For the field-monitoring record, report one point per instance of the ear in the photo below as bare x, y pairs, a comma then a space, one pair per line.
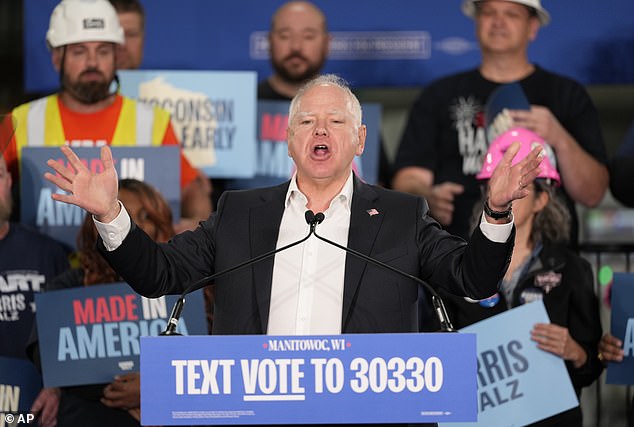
56, 58
533, 28
361, 134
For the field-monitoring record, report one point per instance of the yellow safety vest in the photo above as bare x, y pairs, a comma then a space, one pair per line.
39, 124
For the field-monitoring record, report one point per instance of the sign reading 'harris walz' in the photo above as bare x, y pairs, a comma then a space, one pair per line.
352, 378
88, 335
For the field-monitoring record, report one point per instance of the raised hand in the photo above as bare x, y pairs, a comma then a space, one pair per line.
508, 182
96, 193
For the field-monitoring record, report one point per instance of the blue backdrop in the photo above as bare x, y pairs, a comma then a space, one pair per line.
594, 43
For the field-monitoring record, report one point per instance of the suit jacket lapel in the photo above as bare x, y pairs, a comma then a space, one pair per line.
265, 221
364, 227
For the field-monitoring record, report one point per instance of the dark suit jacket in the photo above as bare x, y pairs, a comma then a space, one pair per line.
246, 225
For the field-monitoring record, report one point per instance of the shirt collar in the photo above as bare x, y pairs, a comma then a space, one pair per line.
345, 195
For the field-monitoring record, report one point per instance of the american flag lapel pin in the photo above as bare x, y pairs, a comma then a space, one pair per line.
372, 212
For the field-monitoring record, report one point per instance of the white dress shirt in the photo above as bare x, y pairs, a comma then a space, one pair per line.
307, 289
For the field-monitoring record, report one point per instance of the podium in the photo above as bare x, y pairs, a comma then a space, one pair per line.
350, 378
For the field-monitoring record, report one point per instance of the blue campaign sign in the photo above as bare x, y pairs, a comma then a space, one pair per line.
401, 43
213, 114
90, 334
274, 166
159, 166
19, 385
518, 383
352, 378
622, 327
508, 96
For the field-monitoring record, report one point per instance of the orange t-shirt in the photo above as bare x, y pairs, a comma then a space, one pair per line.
97, 129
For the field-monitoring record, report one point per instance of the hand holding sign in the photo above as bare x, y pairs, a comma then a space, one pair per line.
556, 339
610, 348
124, 392
96, 193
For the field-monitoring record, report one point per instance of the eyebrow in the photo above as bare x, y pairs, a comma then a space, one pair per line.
331, 112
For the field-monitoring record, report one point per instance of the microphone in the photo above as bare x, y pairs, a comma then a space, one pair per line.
172, 322
439, 306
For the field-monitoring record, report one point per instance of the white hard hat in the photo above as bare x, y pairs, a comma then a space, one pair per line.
469, 9
77, 21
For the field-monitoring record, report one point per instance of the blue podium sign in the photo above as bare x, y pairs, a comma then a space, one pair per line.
19, 385
622, 327
260, 379
518, 384
90, 334
158, 166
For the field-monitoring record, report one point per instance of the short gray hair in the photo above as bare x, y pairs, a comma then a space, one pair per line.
354, 106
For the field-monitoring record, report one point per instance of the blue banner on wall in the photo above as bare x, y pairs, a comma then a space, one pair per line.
398, 43
622, 327
90, 334
518, 384
274, 166
353, 378
158, 166
20, 384
213, 114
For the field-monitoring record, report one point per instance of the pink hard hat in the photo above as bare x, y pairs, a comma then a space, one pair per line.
528, 141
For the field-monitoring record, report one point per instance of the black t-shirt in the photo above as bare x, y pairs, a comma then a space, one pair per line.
28, 260
446, 131
266, 91
622, 171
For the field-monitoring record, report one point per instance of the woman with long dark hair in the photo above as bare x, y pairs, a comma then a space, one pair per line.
115, 404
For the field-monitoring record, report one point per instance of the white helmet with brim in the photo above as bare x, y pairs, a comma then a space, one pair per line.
78, 21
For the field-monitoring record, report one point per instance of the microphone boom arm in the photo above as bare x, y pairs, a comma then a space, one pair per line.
439, 306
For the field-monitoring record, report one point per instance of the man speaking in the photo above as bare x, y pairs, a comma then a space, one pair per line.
311, 288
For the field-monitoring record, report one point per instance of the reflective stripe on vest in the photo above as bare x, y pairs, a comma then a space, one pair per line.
138, 124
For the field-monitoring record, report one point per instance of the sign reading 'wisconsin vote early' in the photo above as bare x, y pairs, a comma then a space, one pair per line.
352, 378
213, 113
90, 334
158, 166
273, 164
622, 327
518, 383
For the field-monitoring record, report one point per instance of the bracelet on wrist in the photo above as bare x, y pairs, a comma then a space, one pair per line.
496, 214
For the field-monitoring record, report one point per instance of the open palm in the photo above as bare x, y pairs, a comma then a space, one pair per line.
509, 181
96, 193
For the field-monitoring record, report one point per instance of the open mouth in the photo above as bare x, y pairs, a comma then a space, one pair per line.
320, 150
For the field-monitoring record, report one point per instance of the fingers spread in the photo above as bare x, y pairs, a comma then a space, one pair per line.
74, 161
106, 157
510, 154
